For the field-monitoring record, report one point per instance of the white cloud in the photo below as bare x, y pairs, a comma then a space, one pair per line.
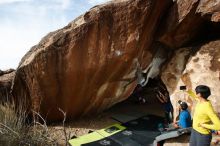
25, 22
12, 1
14, 44
96, 2
65, 4
17, 39
22, 26
56, 4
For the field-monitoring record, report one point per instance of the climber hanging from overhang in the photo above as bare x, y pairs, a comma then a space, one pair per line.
153, 69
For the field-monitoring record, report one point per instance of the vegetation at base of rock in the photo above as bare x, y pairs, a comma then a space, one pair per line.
14, 130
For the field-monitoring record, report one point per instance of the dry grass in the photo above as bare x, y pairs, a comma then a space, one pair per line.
15, 132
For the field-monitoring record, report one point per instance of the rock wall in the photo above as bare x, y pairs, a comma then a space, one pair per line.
194, 66
194, 24
6, 78
198, 62
89, 65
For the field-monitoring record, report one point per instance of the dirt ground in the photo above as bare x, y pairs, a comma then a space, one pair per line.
84, 125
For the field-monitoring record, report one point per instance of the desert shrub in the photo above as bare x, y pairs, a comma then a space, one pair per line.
14, 131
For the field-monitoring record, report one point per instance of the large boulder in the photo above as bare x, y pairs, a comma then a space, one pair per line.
90, 64
181, 24
6, 78
190, 23
187, 21
194, 66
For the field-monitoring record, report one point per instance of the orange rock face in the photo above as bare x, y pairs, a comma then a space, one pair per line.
89, 65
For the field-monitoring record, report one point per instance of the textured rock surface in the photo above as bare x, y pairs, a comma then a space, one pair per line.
181, 24
186, 20
190, 21
6, 78
91, 64
194, 66
210, 8
87, 66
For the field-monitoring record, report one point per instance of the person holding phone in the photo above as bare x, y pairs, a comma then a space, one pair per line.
204, 118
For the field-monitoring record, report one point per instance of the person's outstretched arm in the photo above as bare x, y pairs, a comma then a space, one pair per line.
192, 95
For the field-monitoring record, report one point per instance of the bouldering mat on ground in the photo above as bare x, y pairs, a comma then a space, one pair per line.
145, 123
126, 117
97, 135
139, 132
173, 133
142, 131
94, 136
111, 130
102, 142
123, 118
124, 138
131, 137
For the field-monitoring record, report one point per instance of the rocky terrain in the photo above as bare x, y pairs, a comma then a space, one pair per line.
6, 78
92, 63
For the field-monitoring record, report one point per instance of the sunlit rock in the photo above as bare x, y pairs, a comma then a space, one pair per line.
89, 65
194, 66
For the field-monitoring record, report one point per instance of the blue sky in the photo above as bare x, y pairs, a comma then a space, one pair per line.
24, 22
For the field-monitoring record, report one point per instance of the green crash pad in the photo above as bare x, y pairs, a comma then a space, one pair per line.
139, 132
97, 135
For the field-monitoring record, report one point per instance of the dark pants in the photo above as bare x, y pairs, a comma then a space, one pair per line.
198, 139
169, 117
